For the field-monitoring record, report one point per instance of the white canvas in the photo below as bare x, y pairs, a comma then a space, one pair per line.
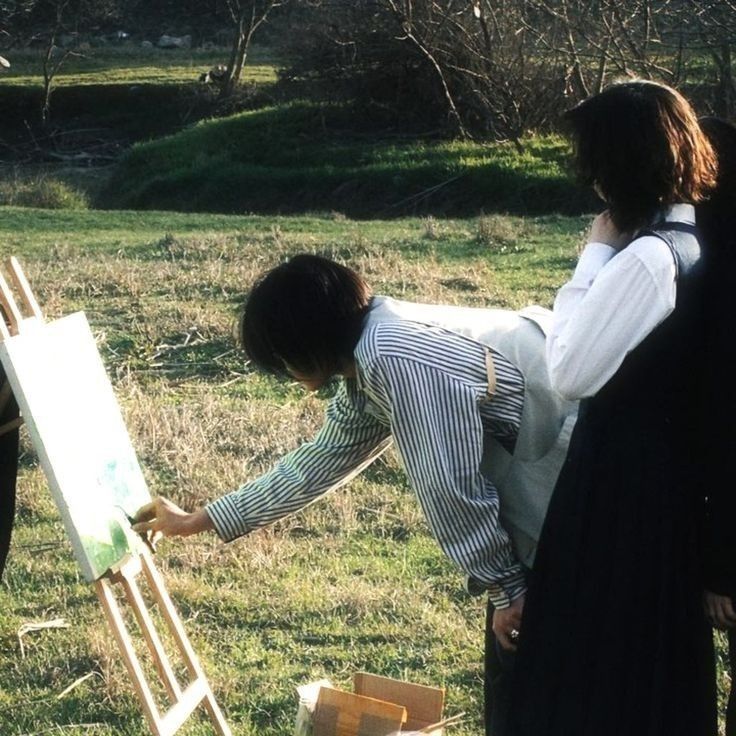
74, 421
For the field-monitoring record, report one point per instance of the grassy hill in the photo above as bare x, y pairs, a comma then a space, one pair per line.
305, 157
273, 157
106, 98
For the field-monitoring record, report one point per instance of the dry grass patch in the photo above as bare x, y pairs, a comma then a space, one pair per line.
500, 233
355, 580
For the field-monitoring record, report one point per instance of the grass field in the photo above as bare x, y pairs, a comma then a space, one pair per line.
355, 582
273, 157
108, 97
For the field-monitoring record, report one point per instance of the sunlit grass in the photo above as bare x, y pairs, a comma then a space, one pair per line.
132, 65
355, 581
141, 75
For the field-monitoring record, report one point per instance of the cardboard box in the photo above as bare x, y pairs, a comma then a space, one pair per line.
378, 706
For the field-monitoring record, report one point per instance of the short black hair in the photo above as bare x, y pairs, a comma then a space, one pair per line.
640, 143
308, 313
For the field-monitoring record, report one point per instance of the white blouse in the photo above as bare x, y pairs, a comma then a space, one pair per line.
612, 302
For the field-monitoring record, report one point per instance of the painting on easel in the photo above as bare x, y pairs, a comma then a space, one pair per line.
72, 415
69, 407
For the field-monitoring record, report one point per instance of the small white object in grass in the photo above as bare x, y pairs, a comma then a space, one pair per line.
4, 63
57, 623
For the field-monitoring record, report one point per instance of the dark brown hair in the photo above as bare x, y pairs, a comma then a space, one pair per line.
307, 313
640, 143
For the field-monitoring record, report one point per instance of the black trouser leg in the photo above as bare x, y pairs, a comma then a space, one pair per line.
499, 665
731, 708
8, 472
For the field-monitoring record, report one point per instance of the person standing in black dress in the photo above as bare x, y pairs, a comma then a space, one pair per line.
717, 222
613, 637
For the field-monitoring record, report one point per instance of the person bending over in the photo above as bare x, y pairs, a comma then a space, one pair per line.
462, 393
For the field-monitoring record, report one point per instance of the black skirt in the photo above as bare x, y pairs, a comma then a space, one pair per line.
614, 640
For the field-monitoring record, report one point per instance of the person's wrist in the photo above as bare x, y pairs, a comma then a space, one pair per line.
196, 522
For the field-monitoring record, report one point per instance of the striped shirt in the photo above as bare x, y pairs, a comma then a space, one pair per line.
425, 388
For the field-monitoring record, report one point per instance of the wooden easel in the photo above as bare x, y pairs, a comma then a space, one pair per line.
186, 701
126, 575
11, 323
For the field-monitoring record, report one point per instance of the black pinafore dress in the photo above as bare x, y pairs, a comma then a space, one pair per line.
614, 641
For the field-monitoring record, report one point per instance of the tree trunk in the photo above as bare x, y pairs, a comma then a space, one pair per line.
248, 21
724, 103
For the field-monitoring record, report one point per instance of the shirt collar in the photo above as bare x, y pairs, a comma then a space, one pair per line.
684, 213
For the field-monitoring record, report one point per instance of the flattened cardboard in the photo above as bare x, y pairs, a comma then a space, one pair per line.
339, 713
423, 703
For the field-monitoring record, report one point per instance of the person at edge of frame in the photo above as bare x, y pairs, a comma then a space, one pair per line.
464, 395
716, 219
614, 639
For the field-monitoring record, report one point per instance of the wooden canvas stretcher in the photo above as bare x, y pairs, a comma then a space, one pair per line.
22, 328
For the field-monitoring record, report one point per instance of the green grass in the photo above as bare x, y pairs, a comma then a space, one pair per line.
133, 65
303, 157
103, 101
40, 191
296, 157
354, 582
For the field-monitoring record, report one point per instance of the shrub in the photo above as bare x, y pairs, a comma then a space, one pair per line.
498, 233
43, 192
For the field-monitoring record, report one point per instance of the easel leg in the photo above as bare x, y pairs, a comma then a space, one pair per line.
155, 647
156, 583
186, 701
120, 632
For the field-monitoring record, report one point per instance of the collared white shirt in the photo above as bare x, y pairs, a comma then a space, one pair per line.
612, 302
425, 388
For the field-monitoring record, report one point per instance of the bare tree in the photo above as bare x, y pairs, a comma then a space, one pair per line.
487, 62
45, 22
247, 17
54, 57
499, 68
421, 30
714, 23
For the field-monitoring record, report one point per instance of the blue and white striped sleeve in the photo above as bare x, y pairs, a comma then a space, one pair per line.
436, 424
347, 443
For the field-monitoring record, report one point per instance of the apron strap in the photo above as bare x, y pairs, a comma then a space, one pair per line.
491, 373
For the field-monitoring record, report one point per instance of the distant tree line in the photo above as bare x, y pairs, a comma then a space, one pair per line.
473, 68
498, 68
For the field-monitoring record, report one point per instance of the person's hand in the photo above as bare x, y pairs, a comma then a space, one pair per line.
164, 517
719, 610
507, 622
603, 230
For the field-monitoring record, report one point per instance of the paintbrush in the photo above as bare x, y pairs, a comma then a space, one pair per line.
451, 721
143, 535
